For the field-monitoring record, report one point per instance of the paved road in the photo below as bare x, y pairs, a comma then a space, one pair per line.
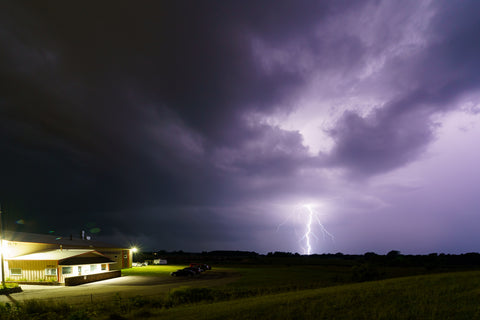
127, 286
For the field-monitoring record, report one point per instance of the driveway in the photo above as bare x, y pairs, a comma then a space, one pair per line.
126, 286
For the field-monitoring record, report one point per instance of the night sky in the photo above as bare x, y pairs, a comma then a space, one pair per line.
209, 125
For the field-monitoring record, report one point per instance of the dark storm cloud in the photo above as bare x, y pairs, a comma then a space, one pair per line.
151, 115
272, 152
109, 106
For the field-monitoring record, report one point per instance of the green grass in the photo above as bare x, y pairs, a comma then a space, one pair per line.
443, 296
154, 271
291, 276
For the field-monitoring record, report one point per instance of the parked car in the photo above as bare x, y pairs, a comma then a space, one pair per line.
195, 270
139, 264
183, 273
202, 266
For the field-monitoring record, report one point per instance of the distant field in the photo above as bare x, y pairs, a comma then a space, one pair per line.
277, 277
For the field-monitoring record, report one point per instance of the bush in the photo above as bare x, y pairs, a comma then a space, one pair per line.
11, 288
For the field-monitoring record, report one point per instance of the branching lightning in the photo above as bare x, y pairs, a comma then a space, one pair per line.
308, 216
311, 214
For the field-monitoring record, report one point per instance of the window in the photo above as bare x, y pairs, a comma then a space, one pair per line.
93, 267
67, 270
16, 272
51, 271
104, 267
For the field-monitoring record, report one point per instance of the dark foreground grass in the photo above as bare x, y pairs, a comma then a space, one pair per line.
443, 296
440, 296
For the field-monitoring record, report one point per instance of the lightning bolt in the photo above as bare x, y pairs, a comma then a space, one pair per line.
311, 214
309, 228
310, 217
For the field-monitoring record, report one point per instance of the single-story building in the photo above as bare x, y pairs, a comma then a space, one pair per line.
47, 258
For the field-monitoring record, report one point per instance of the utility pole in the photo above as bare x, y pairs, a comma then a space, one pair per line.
1, 248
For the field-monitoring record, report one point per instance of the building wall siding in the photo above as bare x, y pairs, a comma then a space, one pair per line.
121, 257
32, 270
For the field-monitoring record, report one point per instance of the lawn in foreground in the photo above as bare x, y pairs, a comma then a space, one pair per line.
441, 296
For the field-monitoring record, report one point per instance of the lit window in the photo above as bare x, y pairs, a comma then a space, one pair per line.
51, 272
93, 267
67, 270
16, 272
104, 267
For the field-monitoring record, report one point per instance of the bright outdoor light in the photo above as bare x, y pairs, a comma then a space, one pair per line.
134, 249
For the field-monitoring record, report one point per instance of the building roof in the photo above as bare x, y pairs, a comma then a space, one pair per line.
67, 256
84, 260
69, 241
52, 254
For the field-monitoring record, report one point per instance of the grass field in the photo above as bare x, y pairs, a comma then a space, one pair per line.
443, 296
156, 271
282, 292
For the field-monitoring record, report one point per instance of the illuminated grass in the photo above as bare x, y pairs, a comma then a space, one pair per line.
154, 271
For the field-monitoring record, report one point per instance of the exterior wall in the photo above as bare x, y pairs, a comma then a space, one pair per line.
31, 270
15, 248
73, 281
127, 258
114, 255
34, 270
81, 270
122, 257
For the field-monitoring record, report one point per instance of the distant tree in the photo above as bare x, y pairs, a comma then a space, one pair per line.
393, 254
369, 255
282, 254
431, 261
